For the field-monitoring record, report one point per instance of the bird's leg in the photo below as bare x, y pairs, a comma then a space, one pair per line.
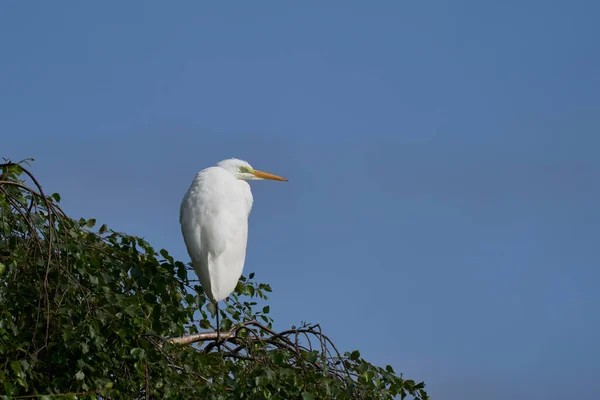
218, 328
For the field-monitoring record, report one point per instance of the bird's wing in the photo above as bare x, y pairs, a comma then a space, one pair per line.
211, 214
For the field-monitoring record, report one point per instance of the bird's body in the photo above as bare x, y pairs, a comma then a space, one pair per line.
214, 223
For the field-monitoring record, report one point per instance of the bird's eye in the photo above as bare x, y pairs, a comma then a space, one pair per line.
244, 169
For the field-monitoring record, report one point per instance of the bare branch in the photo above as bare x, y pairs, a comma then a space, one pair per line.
201, 337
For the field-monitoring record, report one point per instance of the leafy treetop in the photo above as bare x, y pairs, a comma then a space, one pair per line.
100, 314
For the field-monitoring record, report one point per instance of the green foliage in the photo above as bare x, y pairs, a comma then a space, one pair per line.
103, 315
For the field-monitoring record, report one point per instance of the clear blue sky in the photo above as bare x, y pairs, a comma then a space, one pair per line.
442, 211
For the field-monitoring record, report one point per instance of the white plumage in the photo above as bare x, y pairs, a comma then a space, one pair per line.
214, 223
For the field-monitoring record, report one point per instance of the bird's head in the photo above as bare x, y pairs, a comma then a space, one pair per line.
244, 171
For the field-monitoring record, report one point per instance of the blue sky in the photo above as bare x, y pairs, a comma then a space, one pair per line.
442, 210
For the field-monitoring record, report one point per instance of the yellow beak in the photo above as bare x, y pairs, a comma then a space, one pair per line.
266, 175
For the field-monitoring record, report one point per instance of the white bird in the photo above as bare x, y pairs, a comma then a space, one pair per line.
214, 223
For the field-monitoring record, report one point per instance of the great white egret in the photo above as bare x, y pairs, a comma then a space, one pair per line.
214, 222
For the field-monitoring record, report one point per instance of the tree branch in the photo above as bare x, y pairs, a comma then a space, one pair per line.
201, 337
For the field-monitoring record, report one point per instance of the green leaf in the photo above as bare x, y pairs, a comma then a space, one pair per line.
9, 388
307, 396
2, 268
364, 377
251, 275
181, 272
242, 333
102, 229
79, 375
16, 366
150, 298
56, 197
91, 222
199, 301
144, 282
311, 357
260, 381
225, 325
25, 365
136, 272
138, 353
266, 309
277, 357
204, 324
